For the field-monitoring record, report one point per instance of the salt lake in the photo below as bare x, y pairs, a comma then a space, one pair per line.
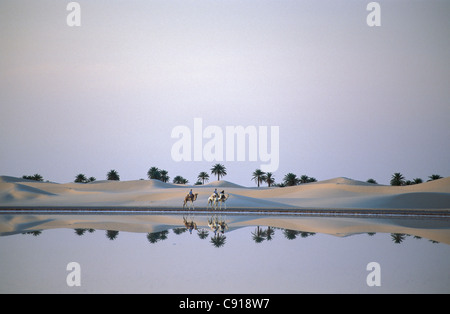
222, 253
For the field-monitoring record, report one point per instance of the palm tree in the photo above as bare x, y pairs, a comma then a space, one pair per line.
91, 179
397, 179
180, 180
434, 177
113, 175
204, 176
269, 179
417, 181
291, 179
219, 170
81, 178
259, 176
304, 179
154, 173
372, 181
164, 175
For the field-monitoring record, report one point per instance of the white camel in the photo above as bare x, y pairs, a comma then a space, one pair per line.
214, 200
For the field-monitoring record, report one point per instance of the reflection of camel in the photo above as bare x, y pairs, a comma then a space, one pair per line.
191, 199
190, 225
217, 225
214, 200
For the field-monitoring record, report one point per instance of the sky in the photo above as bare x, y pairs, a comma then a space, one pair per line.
349, 99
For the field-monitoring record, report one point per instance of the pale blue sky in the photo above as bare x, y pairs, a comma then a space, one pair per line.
350, 100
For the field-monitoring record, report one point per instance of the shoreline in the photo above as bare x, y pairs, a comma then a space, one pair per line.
444, 213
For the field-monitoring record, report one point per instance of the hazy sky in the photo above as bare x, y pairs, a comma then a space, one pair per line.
350, 100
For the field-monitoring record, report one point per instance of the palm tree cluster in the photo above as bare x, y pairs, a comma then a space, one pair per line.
260, 176
219, 170
35, 177
180, 180
398, 179
81, 178
158, 174
291, 179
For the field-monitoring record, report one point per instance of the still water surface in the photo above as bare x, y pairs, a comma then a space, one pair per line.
200, 253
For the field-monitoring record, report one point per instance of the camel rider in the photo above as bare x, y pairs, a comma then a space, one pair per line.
191, 195
215, 193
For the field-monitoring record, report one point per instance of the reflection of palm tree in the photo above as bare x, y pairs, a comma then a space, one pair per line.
157, 236
80, 231
398, 237
34, 233
269, 233
290, 234
305, 234
218, 240
259, 235
112, 234
203, 234
179, 231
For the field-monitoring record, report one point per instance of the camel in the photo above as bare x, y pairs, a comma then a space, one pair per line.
222, 199
191, 199
213, 200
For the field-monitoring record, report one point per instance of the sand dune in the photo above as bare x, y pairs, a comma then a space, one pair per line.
337, 193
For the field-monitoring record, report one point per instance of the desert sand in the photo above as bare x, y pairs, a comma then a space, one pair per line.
338, 194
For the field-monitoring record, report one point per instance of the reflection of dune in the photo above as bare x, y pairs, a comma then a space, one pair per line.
338, 193
433, 229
